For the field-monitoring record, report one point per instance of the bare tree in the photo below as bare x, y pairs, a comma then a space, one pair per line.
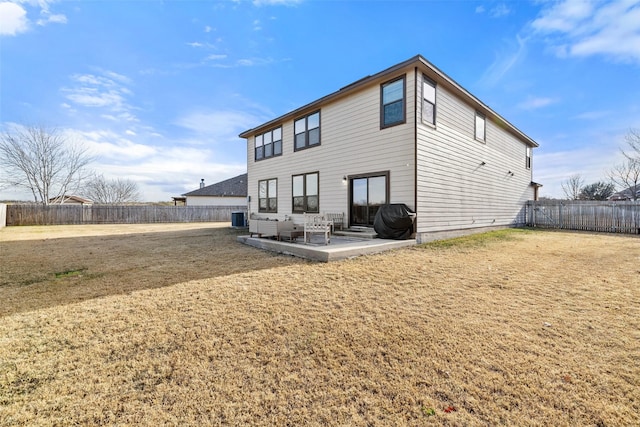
102, 190
626, 175
42, 160
572, 186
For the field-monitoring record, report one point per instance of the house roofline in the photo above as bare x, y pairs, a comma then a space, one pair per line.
223, 188
418, 59
65, 197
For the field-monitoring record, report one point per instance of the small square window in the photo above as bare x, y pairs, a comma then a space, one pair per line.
269, 144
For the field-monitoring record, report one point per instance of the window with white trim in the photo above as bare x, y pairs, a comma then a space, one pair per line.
481, 127
268, 144
268, 195
528, 160
428, 101
305, 193
307, 131
392, 99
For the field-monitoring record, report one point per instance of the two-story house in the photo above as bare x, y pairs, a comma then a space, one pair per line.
409, 134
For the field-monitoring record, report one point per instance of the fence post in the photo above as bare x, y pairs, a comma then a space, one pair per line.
3, 215
560, 216
532, 213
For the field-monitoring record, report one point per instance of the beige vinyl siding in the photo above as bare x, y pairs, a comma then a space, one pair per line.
215, 201
351, 143
454, 190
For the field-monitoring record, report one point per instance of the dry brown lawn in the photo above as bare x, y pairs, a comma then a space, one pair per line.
181, 325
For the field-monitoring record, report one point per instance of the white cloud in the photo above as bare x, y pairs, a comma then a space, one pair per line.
161, 170
91, 97
14, 16
52, 19
499, 11
13, 19
593, 115
533, 103
583, 28
106, 90
592, 157
505, 61
108, 144
243, 62
199, 45
276, 2
215, 57
246, 62
564, 16
217, 126
118, 77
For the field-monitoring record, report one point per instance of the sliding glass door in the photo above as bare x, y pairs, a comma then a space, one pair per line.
368, 193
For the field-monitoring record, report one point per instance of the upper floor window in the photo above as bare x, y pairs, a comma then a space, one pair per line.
269, 144
305, 193
428, 101
268, 195
528, 161
392, 103
307, 131
481, 127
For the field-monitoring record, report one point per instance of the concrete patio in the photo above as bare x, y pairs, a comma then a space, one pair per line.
340, 247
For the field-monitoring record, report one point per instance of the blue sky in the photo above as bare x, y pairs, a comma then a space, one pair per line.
160, 90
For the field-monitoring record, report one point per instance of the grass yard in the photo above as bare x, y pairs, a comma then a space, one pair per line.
181, 325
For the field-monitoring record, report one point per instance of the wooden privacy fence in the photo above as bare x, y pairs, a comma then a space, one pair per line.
116, 214
609, 217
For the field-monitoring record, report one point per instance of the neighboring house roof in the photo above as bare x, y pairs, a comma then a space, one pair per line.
232, 187
626, 194
70, 199
416, 61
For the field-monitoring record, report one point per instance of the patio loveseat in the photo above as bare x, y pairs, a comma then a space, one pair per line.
271, 227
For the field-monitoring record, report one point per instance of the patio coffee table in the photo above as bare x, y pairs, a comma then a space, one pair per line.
290, 235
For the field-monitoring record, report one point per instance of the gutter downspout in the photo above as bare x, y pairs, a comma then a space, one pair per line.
415, 148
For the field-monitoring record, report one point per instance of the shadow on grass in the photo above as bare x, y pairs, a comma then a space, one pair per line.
50, 272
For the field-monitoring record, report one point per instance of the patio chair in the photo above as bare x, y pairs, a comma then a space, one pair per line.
316, 224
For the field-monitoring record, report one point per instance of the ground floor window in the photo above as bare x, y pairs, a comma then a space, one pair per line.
305, 193
268, 195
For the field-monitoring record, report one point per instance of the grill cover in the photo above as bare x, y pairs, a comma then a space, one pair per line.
394, 221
